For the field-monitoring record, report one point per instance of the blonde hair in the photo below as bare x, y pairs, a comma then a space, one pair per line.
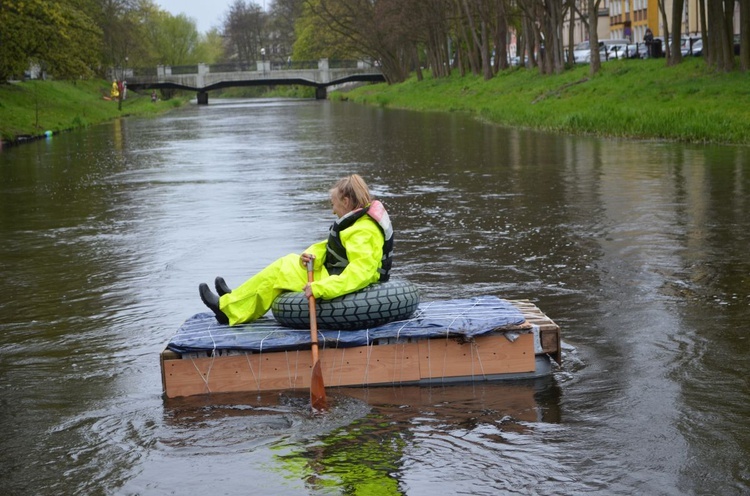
354, 188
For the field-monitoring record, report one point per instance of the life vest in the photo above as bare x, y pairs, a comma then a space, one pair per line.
336, 260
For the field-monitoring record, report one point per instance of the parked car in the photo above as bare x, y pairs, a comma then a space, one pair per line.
687, 45
637, 50
608, 49
617, 51
697, 50
582, 52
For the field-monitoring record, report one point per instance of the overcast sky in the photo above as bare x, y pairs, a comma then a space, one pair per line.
206, 14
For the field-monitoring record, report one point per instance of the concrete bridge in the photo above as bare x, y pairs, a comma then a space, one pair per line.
203, 78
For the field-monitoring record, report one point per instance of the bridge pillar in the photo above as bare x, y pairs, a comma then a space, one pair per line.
321, 93
202, 98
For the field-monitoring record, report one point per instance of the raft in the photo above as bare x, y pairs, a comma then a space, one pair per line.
484, 338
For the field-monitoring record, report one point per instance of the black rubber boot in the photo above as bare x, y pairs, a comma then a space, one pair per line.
212, 302
221, 286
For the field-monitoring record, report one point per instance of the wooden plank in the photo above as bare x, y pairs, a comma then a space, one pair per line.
246, 372
368, 365
363, 365
549, 331
484, 355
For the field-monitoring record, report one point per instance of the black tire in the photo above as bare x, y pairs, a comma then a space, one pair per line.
373, 306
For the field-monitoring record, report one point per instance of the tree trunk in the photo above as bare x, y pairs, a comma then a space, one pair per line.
595, 62
676, 54
720, 37
571, 31
704, 27
665, 34
745, 35
501, 36
729, 62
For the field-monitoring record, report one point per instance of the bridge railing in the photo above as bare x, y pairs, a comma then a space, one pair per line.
143, 72
184, 69
177, 70
232, 67
202, 75
342, 64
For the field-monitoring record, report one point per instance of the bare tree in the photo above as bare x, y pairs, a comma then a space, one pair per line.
720, 49
477, 18
244, 28
283, 17
375, 28
501, 35
436, 35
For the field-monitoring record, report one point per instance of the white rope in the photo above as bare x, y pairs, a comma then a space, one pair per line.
250, 366
200, 374
207, 377
369, 354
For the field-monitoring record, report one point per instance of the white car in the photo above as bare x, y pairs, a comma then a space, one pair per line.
582, 52
618, 51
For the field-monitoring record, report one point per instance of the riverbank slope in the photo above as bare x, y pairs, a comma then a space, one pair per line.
30, 109
641, 99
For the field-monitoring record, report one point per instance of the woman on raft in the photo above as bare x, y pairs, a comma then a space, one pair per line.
357, 253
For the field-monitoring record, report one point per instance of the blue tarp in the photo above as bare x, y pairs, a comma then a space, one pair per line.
466, 317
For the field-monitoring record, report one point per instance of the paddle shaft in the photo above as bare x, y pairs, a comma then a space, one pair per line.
317, 388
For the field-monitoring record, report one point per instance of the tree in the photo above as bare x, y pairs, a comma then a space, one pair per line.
720, 37
244, 27
596, 62
120, 32
675, 56
283, 18
56, 35
378, 29
210, 47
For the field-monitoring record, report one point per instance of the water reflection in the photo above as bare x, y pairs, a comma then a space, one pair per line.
394, 439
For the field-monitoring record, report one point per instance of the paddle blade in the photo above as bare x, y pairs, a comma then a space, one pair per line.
317, 389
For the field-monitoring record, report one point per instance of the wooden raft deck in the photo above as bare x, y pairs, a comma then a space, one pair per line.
420, 361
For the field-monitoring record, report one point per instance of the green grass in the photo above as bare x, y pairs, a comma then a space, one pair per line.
640, 99
33, 107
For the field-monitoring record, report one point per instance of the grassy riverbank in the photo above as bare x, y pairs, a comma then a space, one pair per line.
640, 99
31, 108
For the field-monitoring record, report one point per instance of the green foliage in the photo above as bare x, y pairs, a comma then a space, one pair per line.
171, 40
61, 38
641, 99
316, 40
210, 48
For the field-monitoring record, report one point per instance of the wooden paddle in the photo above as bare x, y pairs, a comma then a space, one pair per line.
317, 388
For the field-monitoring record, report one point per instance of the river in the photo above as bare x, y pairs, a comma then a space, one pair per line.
638, 250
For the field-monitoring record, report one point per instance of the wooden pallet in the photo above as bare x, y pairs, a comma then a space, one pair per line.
403, 362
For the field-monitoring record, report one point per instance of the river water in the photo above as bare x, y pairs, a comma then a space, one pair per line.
639, 250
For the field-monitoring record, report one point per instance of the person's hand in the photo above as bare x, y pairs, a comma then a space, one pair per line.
308, 291
304, 258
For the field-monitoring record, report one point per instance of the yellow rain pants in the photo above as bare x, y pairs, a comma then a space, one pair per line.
364, 250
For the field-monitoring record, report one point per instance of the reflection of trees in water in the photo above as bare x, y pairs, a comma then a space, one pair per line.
361, 458
368, 455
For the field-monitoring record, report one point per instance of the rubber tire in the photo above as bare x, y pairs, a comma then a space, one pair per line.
373, 306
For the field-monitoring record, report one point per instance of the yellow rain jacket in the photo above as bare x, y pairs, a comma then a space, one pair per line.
364, 250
